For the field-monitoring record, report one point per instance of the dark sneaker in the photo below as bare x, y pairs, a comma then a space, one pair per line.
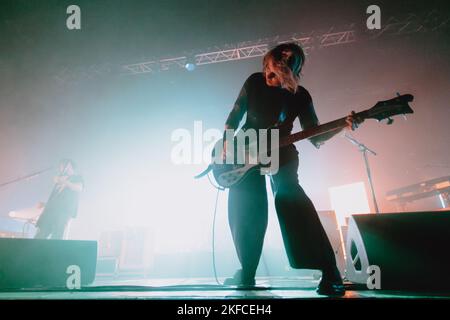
332, 289
331, 285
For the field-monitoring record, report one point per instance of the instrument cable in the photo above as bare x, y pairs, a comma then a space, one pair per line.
219, 188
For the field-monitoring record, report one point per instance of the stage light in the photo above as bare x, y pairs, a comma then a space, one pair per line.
190, 66
349, 199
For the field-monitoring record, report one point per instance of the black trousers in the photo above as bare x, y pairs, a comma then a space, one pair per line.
53, 228
307, 245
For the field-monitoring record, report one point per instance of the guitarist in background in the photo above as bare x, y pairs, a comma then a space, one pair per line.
62, 204
275, 97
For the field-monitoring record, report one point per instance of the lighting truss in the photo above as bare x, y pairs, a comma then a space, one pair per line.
245, 50
412, 23
432, 21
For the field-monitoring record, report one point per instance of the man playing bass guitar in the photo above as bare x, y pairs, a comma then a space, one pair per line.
275, 96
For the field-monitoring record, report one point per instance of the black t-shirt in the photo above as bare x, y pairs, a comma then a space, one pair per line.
266, 106
64, 203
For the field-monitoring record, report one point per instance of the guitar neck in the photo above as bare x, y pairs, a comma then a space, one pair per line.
318, 130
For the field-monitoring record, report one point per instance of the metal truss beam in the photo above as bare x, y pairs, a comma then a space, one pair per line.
240, 52
432, 21
412, 23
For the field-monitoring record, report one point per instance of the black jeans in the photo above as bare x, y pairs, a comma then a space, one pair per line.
52, 228
307, 245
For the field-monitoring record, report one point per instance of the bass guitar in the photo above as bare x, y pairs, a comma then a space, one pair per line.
227, 175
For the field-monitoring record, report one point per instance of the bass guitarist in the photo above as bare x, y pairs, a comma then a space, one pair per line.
269, 97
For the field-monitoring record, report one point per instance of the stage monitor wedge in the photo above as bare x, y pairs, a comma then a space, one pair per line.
411, 249
32, 263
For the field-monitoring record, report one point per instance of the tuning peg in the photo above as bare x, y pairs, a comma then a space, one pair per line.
404, 117
390, 121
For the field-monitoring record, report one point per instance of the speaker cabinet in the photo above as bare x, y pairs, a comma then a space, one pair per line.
411, 249
31, 263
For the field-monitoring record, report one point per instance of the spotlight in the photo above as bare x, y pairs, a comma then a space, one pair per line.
189, 66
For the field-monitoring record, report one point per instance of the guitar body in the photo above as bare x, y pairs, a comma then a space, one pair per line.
228, 175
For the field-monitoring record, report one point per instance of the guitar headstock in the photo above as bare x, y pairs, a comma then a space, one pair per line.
388, 108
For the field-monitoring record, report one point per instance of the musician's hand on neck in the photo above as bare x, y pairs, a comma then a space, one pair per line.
353, 121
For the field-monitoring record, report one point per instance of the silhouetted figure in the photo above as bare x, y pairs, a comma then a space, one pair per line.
274, 97
62, 204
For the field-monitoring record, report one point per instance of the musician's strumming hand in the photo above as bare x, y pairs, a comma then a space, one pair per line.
225, 144
60, 179
353, 121
224, 151
63, 182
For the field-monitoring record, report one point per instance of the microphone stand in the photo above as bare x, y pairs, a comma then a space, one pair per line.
364, 151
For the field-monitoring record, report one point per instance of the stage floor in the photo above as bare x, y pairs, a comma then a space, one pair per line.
202, 288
